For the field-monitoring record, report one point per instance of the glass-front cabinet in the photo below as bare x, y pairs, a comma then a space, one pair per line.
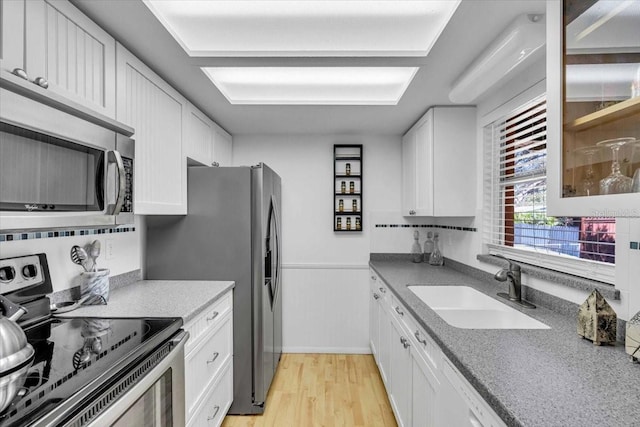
593, 92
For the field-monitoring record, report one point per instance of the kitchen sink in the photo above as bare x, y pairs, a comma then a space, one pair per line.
467, 308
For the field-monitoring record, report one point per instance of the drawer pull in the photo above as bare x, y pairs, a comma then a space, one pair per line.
383, 290
215, 356
216, 409
376, 296
423, 342
400, 312
373, 278
215, 314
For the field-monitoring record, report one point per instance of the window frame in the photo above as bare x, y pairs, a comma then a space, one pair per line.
594, 270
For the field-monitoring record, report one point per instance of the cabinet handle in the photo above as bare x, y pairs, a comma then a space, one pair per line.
215, 356
215, 164
400, 312
417, 335
376, 296
42, 82
383, 290
403, 340
406, 344
215, 314
412, 212
373, 278
215, 412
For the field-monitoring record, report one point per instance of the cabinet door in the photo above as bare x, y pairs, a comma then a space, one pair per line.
400, 375
384, 347
374, 325
157, 113
409, 174
424, 166
222, 147
71, 52
424, 390
12, 33
454, 161
453, 410
596, 110
198, 143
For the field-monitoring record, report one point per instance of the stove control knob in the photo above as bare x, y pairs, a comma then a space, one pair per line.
29, 271
7, 274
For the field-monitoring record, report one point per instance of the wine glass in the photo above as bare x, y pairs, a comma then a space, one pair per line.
616, 182
635, 161
588, 185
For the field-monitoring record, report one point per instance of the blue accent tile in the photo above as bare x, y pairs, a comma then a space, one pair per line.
633, 245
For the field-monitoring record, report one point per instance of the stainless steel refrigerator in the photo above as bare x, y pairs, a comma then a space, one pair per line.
231, 232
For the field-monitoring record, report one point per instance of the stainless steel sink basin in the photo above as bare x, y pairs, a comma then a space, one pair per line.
467, 308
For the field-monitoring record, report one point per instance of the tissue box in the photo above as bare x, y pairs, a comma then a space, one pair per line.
596, 320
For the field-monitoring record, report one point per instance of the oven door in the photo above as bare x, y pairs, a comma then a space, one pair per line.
150, 399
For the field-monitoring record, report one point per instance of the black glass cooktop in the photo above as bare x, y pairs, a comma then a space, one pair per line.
73, 353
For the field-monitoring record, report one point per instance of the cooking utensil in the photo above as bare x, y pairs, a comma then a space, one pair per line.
79, 256
16, 354
94, 252
65, 306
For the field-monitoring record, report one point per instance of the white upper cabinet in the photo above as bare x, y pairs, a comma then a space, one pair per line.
158, 114
51, 39
593, 109
198, 144
438, 158
222, 147
206, 143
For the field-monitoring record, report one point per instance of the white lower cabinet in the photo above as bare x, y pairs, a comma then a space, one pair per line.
209, 364
424, 388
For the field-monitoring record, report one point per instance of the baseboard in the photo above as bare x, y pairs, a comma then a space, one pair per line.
329, 350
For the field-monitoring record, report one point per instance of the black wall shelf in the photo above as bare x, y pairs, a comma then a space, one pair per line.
348, 188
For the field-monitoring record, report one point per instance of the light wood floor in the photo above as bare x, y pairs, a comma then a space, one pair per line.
327, 390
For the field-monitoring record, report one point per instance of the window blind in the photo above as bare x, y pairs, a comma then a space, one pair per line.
515, 189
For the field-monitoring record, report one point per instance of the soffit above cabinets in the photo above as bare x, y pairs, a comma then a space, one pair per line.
306, 28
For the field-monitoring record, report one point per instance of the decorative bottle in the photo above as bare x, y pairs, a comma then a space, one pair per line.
416, 250
436, 257
428, 246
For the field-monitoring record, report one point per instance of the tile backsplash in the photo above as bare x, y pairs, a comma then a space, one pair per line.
48, 234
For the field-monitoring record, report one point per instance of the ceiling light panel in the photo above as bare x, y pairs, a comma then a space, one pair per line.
312, 85
304, 28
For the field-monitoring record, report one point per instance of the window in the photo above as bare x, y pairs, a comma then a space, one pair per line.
515, 189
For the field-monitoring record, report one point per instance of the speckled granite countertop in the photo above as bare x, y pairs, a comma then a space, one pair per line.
157, 298
529, 377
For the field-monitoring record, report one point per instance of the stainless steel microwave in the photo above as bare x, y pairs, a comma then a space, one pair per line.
59, 170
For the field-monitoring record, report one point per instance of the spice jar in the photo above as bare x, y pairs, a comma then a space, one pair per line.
354, 205
348, 223
347, 169
343, 187
358, 224
352, 187
341, 205
339, 224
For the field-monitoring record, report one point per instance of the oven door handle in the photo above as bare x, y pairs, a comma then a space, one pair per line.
175, 361
114, 156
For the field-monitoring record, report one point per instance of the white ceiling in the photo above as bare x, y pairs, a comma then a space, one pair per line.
472, 27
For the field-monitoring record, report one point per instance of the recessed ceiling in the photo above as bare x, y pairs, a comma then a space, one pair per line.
304, 28
133, 24
312, 85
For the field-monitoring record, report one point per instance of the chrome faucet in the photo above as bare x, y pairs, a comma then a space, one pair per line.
513, 275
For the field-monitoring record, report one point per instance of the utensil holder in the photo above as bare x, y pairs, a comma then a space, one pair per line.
95, 286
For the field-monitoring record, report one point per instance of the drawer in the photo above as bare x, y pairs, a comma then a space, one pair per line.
203, 364
207, 320
215, 405
419, 337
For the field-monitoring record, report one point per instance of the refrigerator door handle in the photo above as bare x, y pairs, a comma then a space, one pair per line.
278, 272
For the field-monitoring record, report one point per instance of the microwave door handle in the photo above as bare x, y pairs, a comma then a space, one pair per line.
114, 156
